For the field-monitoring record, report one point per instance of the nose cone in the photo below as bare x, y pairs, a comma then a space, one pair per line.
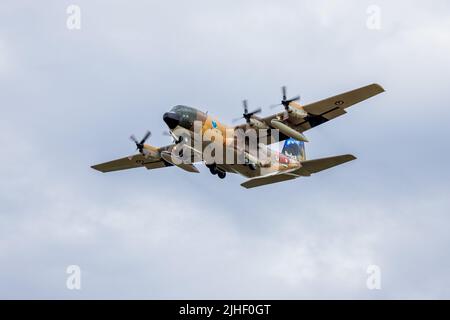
172, 119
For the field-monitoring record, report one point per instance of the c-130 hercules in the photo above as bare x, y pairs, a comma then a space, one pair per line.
289, 124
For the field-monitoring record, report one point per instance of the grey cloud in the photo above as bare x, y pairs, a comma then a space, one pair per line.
71, 98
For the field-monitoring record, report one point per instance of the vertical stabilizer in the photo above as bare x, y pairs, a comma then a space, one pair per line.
294, 149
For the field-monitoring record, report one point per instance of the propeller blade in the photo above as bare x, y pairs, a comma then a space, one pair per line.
146, 136
293, 99
245, 106
140, 144
275, 106
133, 138
246, 115
173, 136
236, 119
283, 90
256, 111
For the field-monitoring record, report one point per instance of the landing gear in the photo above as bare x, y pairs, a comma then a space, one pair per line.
251, 165
214, 170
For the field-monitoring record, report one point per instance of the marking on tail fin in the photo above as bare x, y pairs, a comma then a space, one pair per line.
294, 149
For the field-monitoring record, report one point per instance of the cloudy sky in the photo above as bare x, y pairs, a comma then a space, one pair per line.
71, 98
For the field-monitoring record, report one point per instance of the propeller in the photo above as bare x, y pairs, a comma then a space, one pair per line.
140, 144
285, 102
247, 115
173, 136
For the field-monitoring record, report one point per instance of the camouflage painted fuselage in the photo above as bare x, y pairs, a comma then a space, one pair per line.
184, 118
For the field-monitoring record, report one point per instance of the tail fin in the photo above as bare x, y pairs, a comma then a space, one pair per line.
295, 149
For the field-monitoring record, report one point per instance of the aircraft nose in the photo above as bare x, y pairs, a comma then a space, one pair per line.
171, 119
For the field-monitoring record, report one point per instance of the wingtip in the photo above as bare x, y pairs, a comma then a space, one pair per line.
246, 185
379, 87
96, 168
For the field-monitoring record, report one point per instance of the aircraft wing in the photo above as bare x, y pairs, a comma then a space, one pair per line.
135, 161
330, 108
313, 166
321, 111
269, 179
308, 167
156, 158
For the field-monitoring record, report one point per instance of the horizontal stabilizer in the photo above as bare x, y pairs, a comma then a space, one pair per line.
308, 167
317, 165
269, 179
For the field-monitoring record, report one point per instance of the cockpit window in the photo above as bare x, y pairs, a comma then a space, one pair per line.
181, 108
176, 108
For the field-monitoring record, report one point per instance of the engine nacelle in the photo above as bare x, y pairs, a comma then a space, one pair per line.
258, 124
297, 114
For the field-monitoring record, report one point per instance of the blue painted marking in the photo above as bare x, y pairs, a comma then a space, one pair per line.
214, 124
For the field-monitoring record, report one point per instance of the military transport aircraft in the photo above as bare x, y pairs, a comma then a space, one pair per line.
291, 163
